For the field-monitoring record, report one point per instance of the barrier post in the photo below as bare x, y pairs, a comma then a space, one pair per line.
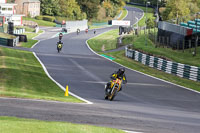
67, 91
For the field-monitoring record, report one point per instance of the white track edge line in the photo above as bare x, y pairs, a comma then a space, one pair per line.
44, 68
131, 131
126, 14
139, 71
37, 100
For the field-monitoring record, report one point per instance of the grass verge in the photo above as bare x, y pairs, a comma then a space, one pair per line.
104, 42
18, 125
119, 56
185, 57
7, 36
124, 13
149, 14
21, 75
41, 22
31, 41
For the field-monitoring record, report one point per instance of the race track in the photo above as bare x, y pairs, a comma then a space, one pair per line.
146, 104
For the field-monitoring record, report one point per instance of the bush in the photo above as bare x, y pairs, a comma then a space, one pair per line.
49, 18
58, 18
39, 17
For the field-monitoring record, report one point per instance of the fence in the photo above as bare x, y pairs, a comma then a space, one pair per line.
3, 41
181, 70
100, 24
19, 31
9, 42
72, 26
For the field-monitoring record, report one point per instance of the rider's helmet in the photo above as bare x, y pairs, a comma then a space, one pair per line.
121, 71
60, 36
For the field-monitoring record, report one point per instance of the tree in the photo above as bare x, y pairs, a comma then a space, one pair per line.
10, 1
150, 23
193, 6
71, 10
108, 6
176, 9
90, 7
50, 7
113, 7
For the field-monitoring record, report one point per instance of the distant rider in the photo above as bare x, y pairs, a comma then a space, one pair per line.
78, 31
60, 36
86, 31
120, 74
59, 45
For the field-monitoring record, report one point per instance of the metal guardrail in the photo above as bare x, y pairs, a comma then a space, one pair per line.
3, 41
9, 42
181, 70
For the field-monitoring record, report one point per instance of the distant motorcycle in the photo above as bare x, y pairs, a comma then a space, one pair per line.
78, 31
111, 92
86, 31
59, 46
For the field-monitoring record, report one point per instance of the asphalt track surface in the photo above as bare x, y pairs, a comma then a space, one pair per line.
146, 104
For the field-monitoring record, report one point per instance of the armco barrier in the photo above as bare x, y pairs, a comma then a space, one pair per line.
9, 42
3, 41
181, 70
13, 42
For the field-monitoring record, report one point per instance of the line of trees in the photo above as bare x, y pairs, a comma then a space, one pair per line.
80, 9
180, 9
153, 2
174, 9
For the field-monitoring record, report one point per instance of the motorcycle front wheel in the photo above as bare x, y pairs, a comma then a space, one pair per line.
112, 96
58, 50
106, 97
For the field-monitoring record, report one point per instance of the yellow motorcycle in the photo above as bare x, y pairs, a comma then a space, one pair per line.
59, 47
114, 88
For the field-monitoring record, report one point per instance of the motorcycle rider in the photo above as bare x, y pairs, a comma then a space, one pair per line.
120, 74
86, 31
60, 36
59, 44
78, 31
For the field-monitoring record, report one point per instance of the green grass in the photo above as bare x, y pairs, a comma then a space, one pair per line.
149, 14
119, 56
18, 125
5, 35
124, 13
21, 75
41, 22
27, 29
96, 27
108, 40
31, 41
174, 55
